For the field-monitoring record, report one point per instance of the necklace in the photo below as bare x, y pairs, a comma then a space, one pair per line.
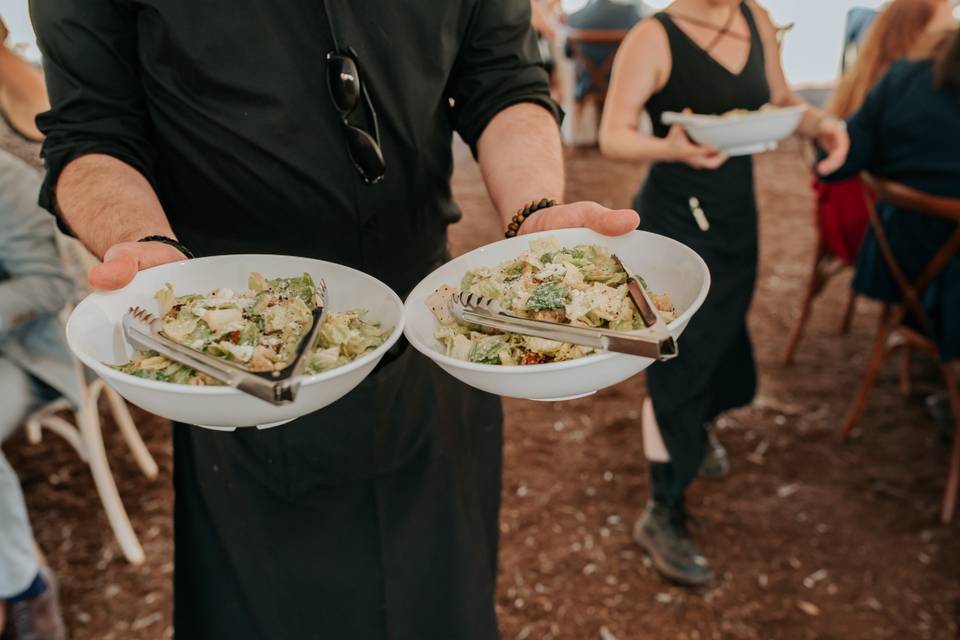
722, 31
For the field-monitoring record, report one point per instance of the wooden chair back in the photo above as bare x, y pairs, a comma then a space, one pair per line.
911, 200
599, 73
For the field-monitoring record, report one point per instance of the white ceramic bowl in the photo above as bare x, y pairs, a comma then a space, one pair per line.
742, 134
95, 336
667, 266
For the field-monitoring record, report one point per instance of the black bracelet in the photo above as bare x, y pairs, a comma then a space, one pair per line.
171, 243
514, 227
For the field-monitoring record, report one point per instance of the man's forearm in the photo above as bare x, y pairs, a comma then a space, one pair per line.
106, 202
521, 158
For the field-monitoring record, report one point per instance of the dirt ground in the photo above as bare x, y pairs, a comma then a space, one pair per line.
810, 538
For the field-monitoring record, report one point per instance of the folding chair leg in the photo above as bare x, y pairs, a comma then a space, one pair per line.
89, 422
906, 358
877, 358
814, 285
953, 475
848, 312
34, 430
121, 415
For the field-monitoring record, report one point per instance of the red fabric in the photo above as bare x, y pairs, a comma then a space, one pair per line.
842, 216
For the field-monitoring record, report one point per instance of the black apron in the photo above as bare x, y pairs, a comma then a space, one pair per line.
374, 518
715, 370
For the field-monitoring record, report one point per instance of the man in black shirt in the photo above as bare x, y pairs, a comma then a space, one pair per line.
322, 131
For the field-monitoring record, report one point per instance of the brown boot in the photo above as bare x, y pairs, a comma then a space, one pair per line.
38, 618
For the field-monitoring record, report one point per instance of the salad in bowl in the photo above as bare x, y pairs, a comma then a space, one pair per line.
582, 285
539, 276
258, 328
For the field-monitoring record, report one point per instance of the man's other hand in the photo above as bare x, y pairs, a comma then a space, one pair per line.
122, 261
609, 222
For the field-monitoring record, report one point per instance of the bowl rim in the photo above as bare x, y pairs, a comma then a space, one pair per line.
706, 121
107, 372
526, 369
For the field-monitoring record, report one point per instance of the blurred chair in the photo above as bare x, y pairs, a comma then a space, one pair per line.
592, 38
892, 333
594, 63
593, 52
85, 435
84, 432
827, 264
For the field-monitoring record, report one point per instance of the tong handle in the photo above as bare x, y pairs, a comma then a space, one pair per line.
647, 314
248, 382
648, 346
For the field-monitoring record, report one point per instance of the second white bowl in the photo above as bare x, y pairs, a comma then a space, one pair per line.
667, 266
740, 135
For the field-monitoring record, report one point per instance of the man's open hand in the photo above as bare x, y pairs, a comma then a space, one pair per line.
122, 261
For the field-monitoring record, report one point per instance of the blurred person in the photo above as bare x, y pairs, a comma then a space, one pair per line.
22, 91
858, 22
35, 367
708, 56
333, 139
896, 32
603, 15
908, 130
547, 18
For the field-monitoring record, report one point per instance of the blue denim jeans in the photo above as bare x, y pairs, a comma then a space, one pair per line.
18, 560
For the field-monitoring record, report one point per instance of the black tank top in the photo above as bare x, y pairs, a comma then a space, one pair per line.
727, 195
704, 85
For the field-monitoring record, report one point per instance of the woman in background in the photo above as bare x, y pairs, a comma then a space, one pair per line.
710, 56
896, 32
908, 130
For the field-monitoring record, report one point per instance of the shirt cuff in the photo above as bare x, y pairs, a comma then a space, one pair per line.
471, 134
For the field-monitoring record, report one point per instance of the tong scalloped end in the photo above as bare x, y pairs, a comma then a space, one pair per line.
476, 301
276, 387
142, 314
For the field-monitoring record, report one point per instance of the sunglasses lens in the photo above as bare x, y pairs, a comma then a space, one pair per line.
344, 81
366, 154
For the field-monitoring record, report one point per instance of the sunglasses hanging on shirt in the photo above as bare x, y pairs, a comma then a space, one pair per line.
346, 93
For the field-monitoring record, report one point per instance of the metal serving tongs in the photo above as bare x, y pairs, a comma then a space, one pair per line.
653, 342
144, 331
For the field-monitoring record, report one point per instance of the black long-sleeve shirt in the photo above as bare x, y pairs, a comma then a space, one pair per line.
224, 107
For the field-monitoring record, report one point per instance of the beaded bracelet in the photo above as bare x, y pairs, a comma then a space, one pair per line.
518, 219
170, 242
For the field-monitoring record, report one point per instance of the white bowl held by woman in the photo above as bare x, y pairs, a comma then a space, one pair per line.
740, 134
666, 265
95, 335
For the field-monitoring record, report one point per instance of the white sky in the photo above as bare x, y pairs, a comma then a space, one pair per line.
811, 52
17, 18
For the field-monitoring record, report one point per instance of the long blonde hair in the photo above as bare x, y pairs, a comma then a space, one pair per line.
893, 35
